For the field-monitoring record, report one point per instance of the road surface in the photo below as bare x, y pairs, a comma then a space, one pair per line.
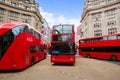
84, 69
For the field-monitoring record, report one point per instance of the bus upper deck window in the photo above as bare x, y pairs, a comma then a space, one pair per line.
112, 37
81, 41
118, 37
56, 32
105, 38
31, 31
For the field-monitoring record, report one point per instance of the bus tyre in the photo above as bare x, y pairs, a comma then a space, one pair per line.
113, 58
88, 56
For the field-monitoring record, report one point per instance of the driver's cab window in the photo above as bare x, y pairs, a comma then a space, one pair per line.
57, 29
19, 29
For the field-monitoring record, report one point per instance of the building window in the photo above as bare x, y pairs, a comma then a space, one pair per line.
85, 23
110, 12
96, 15
27, 7
96, 25
2, 11
112, 30
1, 20
26, 21
98, 33
14, 14
2, 0
13, 4
111, 22
12, 20
27, 0
24, 16
96, 0
96, 5
109, 1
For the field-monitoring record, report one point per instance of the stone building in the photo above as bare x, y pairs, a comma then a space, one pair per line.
100, 17
46, 31
21, 11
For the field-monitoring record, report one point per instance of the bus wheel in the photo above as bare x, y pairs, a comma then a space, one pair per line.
88, 56
32, 61
113, 58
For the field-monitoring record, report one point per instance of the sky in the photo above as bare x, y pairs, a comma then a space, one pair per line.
61, 11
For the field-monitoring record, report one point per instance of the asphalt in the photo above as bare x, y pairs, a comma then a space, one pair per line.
83, 69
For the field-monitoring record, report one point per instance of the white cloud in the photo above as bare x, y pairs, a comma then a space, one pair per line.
54, 19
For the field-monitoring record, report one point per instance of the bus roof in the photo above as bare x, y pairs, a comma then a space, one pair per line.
64, 25
91, 38
10, 25
7, 26
100, 36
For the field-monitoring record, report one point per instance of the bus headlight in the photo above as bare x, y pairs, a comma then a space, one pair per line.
14, 65
53, 59
71, 59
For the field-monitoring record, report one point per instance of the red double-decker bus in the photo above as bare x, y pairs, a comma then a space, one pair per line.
102, 47
63, 44
20, 46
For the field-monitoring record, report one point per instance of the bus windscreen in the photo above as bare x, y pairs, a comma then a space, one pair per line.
62, 30
5, 41
63, 49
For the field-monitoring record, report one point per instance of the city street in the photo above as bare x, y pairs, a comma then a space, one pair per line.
30, 29
84, 69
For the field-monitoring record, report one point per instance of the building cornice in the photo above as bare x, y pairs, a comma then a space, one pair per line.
86, 10
22, 9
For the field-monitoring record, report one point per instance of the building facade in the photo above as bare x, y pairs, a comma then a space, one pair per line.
78, 34
26, 11
100, 17
46, 31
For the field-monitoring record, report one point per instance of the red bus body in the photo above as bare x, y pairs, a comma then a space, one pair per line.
63, 44
103, 47
19, 48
